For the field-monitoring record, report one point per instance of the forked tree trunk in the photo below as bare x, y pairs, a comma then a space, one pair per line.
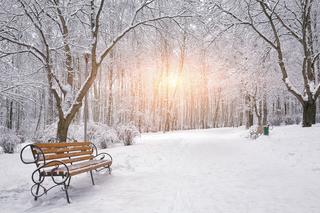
309, 113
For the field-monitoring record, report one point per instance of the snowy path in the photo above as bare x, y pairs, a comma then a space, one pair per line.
192, 171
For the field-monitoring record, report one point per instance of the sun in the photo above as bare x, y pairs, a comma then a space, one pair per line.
172, 80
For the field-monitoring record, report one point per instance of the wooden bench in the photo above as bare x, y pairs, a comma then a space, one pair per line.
61, 161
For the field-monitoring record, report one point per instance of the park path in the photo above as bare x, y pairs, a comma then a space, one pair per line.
196, 171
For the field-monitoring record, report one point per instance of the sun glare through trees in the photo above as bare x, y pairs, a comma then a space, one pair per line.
217, 99
158, 65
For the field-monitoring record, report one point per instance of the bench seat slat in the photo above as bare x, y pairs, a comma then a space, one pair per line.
92, 167
78, 168
52, 145
66, 149
66, 155
72, 160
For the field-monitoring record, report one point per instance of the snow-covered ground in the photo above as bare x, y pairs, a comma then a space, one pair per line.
216, 170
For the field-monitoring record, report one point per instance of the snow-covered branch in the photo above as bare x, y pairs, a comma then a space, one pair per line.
131, 27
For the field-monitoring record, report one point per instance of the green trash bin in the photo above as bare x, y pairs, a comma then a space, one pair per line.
266, 130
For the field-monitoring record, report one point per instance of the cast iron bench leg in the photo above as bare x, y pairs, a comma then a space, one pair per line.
91, 177
66, 190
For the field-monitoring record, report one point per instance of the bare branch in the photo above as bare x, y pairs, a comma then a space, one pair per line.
143, 5
251, 24
128, 29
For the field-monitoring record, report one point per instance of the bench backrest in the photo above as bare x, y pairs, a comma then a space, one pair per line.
68, 153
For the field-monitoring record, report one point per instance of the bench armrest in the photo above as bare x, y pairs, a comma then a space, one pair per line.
103, 155
37, 154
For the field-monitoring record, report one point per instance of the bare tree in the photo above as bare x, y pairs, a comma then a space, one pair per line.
276, 21
33, 11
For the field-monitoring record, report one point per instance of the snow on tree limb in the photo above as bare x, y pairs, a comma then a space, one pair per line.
130, 28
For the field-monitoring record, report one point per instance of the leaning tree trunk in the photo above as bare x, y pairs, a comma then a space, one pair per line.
309, 113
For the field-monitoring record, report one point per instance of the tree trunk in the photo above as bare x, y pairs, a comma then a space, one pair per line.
39, 118
110, 95
18, 113
96, 101
167, 122
10, 115
249, 116
248, 112
265, 111
62, 132
309, 113
258, 111
240, 118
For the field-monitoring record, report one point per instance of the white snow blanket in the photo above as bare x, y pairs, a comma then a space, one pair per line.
199, 171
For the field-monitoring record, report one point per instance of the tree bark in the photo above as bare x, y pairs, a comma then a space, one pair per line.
110, 93
62, 132
248, 112
10, 120
309, 113
265, 111
240, 118
249, 116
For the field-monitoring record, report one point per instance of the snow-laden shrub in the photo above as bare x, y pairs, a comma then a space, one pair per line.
255, 131
276, 122
101, 135
8, 140
46, 135
127, 133
289, 120
298, 120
